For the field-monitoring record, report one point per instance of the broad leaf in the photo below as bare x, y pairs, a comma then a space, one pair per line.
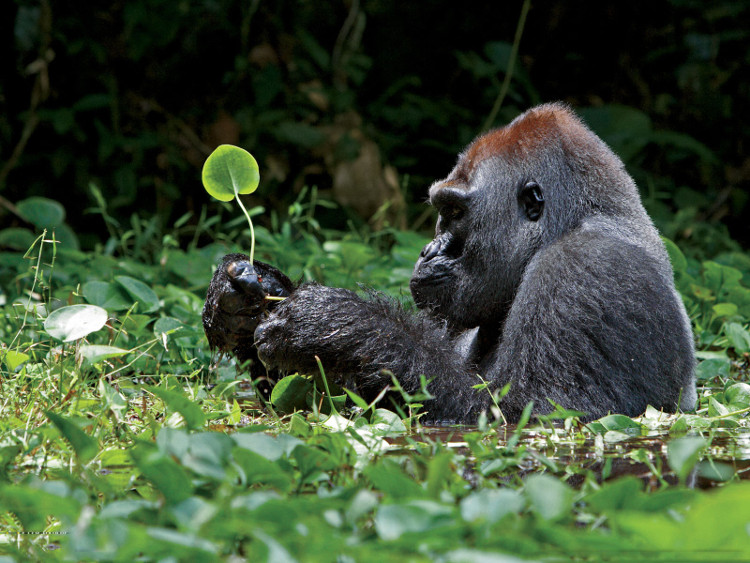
229, 171
75, 321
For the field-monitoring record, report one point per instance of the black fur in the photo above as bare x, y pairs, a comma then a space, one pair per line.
545, 273
234, 308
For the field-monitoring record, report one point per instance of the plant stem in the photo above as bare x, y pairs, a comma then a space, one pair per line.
252, 230
511, 67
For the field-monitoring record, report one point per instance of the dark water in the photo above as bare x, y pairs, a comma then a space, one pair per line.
644, 456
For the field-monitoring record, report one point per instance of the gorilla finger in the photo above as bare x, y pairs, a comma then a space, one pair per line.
234, 303
244, 278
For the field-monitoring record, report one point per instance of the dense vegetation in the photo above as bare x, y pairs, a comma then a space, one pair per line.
123, 442
118, 437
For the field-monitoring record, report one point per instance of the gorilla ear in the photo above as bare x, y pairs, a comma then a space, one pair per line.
531, 200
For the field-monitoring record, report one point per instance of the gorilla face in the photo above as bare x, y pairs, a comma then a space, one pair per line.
488, 229
441, 267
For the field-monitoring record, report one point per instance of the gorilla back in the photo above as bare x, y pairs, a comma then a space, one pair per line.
545, 272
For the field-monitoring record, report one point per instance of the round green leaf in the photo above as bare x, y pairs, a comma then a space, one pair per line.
42, 212
229, 171
75, 321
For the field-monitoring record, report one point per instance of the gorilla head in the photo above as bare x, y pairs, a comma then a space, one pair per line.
514, 191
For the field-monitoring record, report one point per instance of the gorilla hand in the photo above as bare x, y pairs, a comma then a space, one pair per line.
314, 321
236, 302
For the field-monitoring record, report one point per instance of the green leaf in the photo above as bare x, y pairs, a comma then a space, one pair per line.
110, 296
624, 493
491, 505
683, 454
311, 462
390, 478
42, 212
717, 276
738, 394
96, 353
192, 413
84, 445
713, 367
140, 292
290, 393
208, 454
167, 324
267, 446
229, 171
14, 359
75, 321
258, 469
16, 238
676, 257
548, 497
33, 506
725, 309
169, 478
738, 337
621, 423
394, 520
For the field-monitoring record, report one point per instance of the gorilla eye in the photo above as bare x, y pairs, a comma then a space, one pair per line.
452, 212
531, 199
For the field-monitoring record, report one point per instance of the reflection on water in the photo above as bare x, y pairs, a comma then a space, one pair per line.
579, 452
644, 457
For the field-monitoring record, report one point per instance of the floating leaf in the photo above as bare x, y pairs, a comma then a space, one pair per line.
75, 321
229, 171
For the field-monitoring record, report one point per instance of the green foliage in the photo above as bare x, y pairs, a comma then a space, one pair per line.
117, 441
128, 136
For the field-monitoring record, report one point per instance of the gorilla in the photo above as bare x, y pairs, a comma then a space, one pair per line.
545, 273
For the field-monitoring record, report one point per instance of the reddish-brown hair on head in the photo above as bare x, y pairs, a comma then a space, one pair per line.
527, 133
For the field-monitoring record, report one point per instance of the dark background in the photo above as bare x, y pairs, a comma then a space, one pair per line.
363, 98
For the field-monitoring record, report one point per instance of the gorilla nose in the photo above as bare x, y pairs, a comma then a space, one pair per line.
430, 251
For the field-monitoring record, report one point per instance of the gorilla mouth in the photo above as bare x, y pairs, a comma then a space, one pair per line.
437, 278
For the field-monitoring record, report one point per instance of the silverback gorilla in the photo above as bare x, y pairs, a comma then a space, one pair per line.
545, 272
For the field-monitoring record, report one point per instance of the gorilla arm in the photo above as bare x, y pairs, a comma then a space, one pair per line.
360, 340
